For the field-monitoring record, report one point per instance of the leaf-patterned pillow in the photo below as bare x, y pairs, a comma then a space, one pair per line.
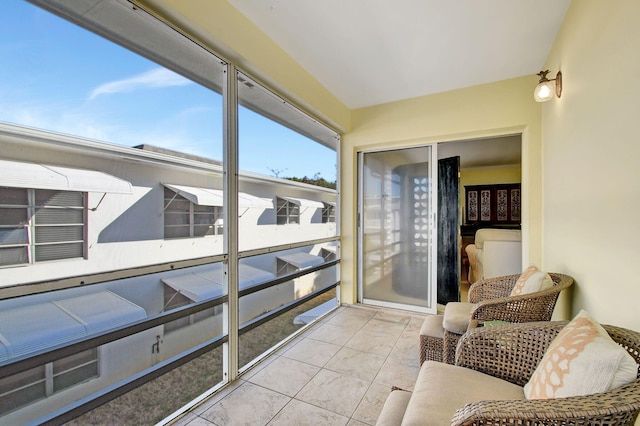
581, 360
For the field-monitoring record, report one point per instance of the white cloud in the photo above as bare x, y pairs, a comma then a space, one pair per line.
159, 77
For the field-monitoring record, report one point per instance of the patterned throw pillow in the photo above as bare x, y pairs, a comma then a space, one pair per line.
581, 360
530, 281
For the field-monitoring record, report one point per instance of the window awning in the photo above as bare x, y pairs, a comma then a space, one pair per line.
330, 249
197, 287
247, 200
250, 276
302, 202
215, 197
311, 315
32, 328
301, 260
102, 311
203, 285
17, 174
199, 196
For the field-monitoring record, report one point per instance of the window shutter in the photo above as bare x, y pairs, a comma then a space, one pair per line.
13, 256
59, 251
58, 234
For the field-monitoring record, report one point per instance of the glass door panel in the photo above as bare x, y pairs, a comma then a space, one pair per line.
396, 228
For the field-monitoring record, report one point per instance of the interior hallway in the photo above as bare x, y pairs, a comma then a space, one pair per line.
339, 372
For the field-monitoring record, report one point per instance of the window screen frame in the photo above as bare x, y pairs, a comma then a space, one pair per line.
173, 199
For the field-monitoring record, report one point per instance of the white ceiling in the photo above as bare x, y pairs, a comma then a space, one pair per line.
368, 52
490, 152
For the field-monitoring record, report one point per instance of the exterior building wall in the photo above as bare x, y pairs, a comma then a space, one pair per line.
127, 230
114, 365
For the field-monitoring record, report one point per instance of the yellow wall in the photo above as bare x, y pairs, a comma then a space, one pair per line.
592, 159
489, 175
502, 108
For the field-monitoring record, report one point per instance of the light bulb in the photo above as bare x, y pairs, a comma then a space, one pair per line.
543, 91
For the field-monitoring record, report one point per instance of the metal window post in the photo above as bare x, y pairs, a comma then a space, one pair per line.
230, 212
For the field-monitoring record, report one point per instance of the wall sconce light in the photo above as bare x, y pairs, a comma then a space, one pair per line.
545, 89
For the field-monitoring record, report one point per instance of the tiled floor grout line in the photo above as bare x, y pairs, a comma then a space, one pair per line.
369, 388
373, 380
344, 345
355, 409
298, 392
393, 318
306, 335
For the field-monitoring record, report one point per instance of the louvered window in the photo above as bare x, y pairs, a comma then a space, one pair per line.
23, 388
37, 225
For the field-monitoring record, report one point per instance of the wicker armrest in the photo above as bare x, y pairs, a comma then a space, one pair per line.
529, 307
619, 406
510, 352
492, 288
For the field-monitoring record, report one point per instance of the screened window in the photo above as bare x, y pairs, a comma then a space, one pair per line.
185, 219
173, 300
287, 212
40, 382
38, 225
328, 213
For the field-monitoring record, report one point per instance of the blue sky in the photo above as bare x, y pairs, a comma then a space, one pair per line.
59, 77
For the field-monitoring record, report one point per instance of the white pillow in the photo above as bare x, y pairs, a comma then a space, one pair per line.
581, 360
530, 281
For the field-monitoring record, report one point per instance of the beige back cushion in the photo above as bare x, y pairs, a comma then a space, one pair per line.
531, 280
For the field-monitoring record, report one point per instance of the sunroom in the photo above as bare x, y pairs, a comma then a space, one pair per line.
245, 210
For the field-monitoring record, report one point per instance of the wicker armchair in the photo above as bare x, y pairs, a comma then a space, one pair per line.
492, 302
512, 353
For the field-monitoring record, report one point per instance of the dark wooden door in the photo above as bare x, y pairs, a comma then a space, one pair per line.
448, 230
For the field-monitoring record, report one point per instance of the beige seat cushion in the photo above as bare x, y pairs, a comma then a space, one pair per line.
394, 408
456, 317
442, 388
432, 326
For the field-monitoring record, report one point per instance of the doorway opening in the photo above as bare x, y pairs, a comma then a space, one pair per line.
391, 271
490, 162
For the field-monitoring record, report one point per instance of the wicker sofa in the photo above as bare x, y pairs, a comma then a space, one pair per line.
485, 386
489, 300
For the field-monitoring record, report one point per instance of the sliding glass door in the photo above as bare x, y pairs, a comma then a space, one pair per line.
396, 228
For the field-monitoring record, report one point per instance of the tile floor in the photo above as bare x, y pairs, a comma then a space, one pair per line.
338, 372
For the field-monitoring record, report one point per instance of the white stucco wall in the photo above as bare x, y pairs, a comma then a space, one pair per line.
127, 230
